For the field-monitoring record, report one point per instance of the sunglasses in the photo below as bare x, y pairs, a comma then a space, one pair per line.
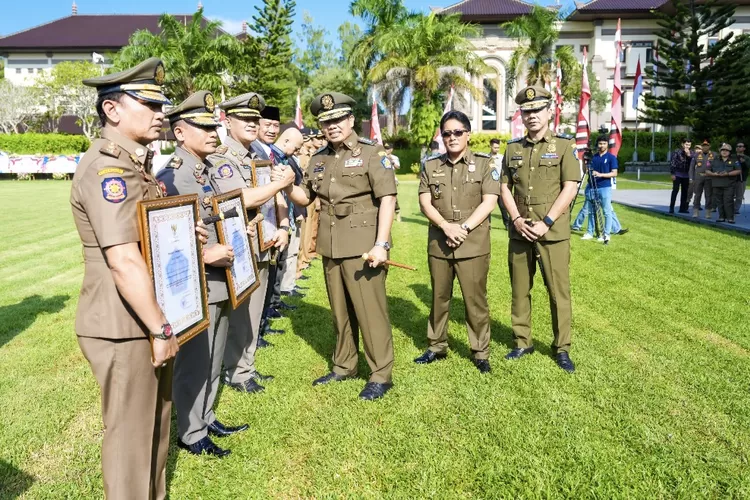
458, 133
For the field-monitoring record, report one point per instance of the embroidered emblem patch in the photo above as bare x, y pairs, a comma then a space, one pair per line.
495, 175
114, 189
327, 102
530, 94
386, 163
175, 162
356, 152
472, 166
225, 171
106, 171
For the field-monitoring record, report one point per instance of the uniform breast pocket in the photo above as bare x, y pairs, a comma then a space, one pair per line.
472, 185
550, 168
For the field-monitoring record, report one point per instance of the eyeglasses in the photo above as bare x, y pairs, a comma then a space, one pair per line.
458, 133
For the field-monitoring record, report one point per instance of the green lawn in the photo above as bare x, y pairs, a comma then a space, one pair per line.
629, 180
658, 407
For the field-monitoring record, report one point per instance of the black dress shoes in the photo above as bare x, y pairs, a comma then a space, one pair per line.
204, 447
251, 386
428, 357
263, 343
625, 230
293, 293
303, 277
374, 390
284, 305
519, 352
563, 361
260, 377
218, 429
331, 377
272, 331
272, 313
483, 365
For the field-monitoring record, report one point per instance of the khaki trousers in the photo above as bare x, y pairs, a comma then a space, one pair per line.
555, 256
136, 410
472, 276
739, 194
244, 330
702, 185
357, 296
197, 369
289, 274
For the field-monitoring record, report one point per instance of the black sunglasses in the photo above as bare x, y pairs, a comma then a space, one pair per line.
458, 133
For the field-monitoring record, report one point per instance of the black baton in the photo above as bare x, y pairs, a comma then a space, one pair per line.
212, 219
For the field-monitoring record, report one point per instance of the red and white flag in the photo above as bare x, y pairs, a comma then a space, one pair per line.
582, 125
558, 98
448, 107
516, 125
615, 128
375, 123
638, 86
298, 112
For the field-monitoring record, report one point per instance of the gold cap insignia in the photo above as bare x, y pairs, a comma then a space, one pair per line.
210, 103
327, 102
254, 102
159, 74
530, 94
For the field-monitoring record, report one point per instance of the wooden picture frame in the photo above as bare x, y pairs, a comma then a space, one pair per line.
242, 275
270, 223
174, 257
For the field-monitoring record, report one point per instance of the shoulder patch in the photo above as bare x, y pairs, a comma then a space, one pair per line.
482, 155
106, 171
495, 175
222, 149
433, 157
564, 136
386, 163
519, 139
368, 141
114, 189
225, 171
111, 149
175, 162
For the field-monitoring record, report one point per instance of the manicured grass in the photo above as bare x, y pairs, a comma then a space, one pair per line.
657, 408
629, 180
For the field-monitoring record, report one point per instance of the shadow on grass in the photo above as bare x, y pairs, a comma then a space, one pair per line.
313, 324
16, 318
413, 220
174, 451
500, 333
13, 481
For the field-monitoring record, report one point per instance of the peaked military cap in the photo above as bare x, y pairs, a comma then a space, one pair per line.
307, 133
331, 105
533, 98
198, 110
244, 106
142, 82
271, 113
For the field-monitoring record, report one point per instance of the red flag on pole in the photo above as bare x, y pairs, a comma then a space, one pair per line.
298, 112
615, 128
582, 124
638, 86
516, 125
558, 97
375, 123
448, 107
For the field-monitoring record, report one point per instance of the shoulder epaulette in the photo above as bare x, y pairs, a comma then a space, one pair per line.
222, 149
564, 136
433, 157
175, 162
482, 155
367, 141
519, 139
320, 150
111, 149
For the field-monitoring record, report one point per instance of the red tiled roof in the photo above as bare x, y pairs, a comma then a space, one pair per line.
81, 32
619, 5
489, 8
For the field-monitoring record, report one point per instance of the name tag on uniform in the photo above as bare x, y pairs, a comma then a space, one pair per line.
550, 156
318, 169
438, 175
516, 158
354, 162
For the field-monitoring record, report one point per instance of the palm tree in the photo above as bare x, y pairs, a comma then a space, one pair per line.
537, 34
197, 55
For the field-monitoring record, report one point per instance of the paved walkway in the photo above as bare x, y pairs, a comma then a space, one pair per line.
657, 200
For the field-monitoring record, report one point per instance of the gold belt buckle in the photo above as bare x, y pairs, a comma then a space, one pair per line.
456, 215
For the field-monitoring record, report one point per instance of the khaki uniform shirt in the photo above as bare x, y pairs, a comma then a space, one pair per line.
535, 173
718, 165
700, 163
183, 174
456, 190
239, 176
112, 177
349, 183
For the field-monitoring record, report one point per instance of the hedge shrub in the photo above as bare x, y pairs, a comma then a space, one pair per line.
43, 144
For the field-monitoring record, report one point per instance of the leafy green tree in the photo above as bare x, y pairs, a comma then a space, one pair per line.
572, 91
730, 93
349, 35
537, 55
197, 55
315, 52
686, 70
61, 93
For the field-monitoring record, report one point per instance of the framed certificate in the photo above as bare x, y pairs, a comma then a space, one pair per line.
242, 275
174, 256
268, 226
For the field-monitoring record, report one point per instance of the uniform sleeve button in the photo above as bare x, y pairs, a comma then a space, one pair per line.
531, 187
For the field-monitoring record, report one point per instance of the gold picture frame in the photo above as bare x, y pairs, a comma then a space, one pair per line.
261, 177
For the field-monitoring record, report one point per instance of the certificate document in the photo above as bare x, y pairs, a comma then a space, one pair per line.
242, 276
269, 224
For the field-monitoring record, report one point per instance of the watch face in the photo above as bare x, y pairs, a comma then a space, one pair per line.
167, 330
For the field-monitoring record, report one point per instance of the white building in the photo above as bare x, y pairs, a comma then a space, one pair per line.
591, 25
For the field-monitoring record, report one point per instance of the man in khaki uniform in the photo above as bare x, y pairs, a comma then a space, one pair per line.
356, 185
198, 365
701, 183
540, 177
117, 309
457, 192
232, 169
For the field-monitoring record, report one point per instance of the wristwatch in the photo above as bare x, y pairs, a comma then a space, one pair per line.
383, 244
165, 334
547, 221
466, 227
